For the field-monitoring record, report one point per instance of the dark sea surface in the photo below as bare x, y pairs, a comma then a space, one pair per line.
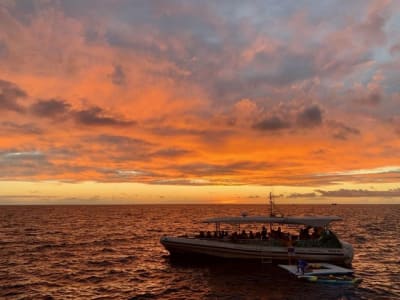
113, 252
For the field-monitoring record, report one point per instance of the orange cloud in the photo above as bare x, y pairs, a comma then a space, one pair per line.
191, 96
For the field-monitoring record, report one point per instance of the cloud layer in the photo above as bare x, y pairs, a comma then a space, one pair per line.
188, 93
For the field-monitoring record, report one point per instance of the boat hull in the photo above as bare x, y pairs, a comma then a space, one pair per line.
179, 246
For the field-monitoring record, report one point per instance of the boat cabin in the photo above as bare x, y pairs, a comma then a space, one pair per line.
298, 231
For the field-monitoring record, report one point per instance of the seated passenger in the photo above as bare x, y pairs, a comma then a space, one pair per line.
234, 236
251, 235
316, 233
279, 233
264, 233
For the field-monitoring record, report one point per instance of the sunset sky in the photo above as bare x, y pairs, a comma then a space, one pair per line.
120, 101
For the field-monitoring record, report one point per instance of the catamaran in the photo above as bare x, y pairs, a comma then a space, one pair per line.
293, 242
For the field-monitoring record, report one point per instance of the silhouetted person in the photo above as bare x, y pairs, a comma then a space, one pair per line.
251, 235
264, 233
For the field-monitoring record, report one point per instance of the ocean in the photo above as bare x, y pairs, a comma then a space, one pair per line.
113, 252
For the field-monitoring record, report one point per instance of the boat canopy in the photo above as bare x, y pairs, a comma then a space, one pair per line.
314, 221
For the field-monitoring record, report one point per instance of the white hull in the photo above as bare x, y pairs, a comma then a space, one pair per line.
254, 251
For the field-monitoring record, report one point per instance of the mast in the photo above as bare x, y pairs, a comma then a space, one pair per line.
271, 205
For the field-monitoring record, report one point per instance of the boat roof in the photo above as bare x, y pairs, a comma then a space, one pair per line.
314, 221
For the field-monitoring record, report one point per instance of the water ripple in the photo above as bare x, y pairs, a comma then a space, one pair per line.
103, 252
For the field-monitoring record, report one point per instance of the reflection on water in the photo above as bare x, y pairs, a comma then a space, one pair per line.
70, 252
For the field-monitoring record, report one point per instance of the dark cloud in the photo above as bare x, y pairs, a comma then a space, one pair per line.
118, 75
205, 169
360, 193
302, 195
371, 99
120, 141
181, 181
51, 108
170, 153
207, 135
96, 116
289, 68
120, 148
59, 110
342, 131
395, 49
10, 94
91, 35
26, 128
310, 117
20, 163
3, 49
272, 124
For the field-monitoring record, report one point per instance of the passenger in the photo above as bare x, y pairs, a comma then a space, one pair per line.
303, 234
251, 235
316, 234
208, 234
302, 266
258, 235
234, 236
307, 233
243, 235
264, 233
279, 233
201, 234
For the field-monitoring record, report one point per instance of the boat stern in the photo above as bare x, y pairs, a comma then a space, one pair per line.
348, 252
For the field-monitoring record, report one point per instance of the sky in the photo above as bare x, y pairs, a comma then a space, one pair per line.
123, 101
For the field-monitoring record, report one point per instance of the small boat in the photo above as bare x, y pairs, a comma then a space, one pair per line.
324, 273
287, 239
332, 279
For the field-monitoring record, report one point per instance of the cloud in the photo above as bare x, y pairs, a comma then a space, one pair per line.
17, 128
302, 195
342, 131
395, 49
10, 95
372, 99
96, 116
310, 117
52, 108
120, 141
379, 170
183, 181
119, 148
360, 193
170, 153
17, 164
118, 76
3, 49
271, 124
209, 169
59, 110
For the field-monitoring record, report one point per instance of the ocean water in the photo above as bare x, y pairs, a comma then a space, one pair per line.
113, 252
